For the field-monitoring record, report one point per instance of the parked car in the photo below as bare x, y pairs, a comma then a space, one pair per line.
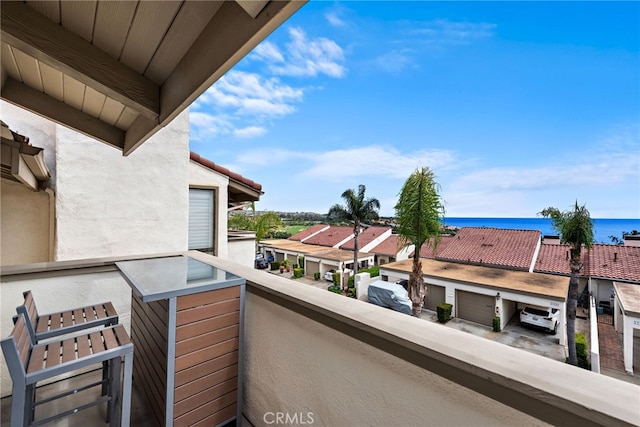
329, 275
541, 317
261, 262
389, 295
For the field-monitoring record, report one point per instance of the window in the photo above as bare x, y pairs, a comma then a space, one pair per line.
202, 220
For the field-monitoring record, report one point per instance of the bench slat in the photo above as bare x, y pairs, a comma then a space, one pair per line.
36, 362
68, 350
84, 349
123, 337
96, 342
53, 354
110, 340
111, 311
78, 316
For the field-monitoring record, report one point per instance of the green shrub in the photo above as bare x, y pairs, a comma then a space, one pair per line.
444, 312
334, 289
274, 265
301, 261
496, 324
316, 275
336, 278
351, 283
582, 351
298, 272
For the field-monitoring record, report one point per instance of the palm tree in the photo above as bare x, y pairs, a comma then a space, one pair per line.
262, 224
576, 230
357, 210
419, 214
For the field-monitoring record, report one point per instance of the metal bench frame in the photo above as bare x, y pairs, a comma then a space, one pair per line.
28, 364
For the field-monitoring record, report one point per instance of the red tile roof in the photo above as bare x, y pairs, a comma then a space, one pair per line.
366, 237
614, 262
427, 251
493, 246
224, 171
388, 246
603, 261
330, 237
554, 258
307, 232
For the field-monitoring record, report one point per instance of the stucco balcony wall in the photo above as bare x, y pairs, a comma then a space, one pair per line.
314, 355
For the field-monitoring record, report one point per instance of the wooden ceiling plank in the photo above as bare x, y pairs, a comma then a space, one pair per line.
150, 24
126, 118
229, 36
191, 19
93, 102
111, 111
37, 102
52, 82
29, 69
9, 62
78, 17
73, 92
48, 8
41, 38
113, 19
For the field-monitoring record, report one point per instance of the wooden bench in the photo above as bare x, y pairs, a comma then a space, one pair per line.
30, 363
44, 326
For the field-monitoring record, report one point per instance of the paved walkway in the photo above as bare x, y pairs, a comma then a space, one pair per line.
611, 355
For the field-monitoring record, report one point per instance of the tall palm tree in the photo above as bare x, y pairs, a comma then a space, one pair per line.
419, 214
576, 230
357, 210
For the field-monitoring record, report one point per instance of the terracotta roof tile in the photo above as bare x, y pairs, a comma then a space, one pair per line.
388, 246
427, 251
493, 246
308, 232
330, 237
554, 258
366, 237
224, 171
615, 262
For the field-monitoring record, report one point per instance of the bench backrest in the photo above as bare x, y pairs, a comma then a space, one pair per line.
17, 348
28, 308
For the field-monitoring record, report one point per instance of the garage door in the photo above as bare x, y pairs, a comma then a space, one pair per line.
475, 307
435, 295
293, 259
312, 267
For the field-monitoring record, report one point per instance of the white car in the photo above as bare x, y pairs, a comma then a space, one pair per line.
541, 317
329, 275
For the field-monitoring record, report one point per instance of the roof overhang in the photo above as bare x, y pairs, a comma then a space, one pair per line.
22, 162
118, 71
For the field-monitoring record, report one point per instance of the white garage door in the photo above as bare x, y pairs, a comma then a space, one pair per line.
475, 307
435, 295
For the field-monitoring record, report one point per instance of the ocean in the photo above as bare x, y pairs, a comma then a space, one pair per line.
602, 227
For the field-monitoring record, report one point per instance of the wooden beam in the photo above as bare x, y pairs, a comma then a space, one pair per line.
59, 48
140, 130
230, 35
37, 102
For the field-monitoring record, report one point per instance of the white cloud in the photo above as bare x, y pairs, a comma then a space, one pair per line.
334, 20
395, 61
445, 32
305, 57
268, 51
250, 132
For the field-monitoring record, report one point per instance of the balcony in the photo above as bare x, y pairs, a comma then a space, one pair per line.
314, 357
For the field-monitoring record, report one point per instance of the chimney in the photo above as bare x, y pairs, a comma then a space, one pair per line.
615, 256
567, 255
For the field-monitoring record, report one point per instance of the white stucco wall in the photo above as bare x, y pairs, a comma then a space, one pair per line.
242, 251
107, 204
111, 205
202, 177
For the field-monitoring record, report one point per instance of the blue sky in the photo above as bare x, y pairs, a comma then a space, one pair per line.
516, 106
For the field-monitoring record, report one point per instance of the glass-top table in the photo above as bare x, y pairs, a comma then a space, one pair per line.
162, 278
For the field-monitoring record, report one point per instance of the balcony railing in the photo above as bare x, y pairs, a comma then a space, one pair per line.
314, 357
